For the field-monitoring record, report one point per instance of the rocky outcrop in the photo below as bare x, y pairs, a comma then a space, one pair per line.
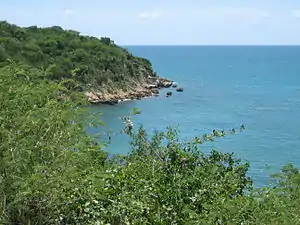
158, 82
151, 86
146, 88
164, 83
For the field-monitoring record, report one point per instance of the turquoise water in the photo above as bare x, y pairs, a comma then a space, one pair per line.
223, 88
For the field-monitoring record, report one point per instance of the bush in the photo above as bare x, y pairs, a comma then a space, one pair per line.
52, 172
45, 153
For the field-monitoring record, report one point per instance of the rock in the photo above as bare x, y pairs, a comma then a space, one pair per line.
169, 94
155, 91
179, 89
151, 86
164, 83
174, 85
146, 88
111, 102
153, 80
93, 97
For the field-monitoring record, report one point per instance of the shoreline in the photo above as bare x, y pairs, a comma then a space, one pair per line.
142, 89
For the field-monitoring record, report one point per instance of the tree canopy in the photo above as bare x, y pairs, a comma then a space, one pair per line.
63, 54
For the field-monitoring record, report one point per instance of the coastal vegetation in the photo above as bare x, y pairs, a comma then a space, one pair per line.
53, 172
98, 67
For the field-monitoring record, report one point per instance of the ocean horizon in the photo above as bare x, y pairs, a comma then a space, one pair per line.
215, 45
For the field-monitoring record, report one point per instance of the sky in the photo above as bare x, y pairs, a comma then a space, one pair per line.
166, 22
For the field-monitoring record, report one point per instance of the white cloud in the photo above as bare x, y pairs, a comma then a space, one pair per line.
296, 13
150, 15
68, 11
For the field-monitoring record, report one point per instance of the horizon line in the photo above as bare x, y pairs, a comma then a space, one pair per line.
213, 45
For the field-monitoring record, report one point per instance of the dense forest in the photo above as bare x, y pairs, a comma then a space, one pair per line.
53, 172
65, 54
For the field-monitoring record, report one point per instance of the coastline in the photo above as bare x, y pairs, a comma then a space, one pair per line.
141, 89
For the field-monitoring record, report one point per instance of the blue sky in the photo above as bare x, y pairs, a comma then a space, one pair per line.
154, 22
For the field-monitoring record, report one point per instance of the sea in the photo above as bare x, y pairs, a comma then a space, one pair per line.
224, 87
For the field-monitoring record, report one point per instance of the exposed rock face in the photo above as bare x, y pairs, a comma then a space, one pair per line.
147, 88
164, 83
151, 86
158, 82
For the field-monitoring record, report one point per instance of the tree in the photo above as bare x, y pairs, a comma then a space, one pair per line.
107, 41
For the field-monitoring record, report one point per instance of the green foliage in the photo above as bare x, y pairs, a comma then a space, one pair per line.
52, 172
164, 181
60, 52
40, 129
